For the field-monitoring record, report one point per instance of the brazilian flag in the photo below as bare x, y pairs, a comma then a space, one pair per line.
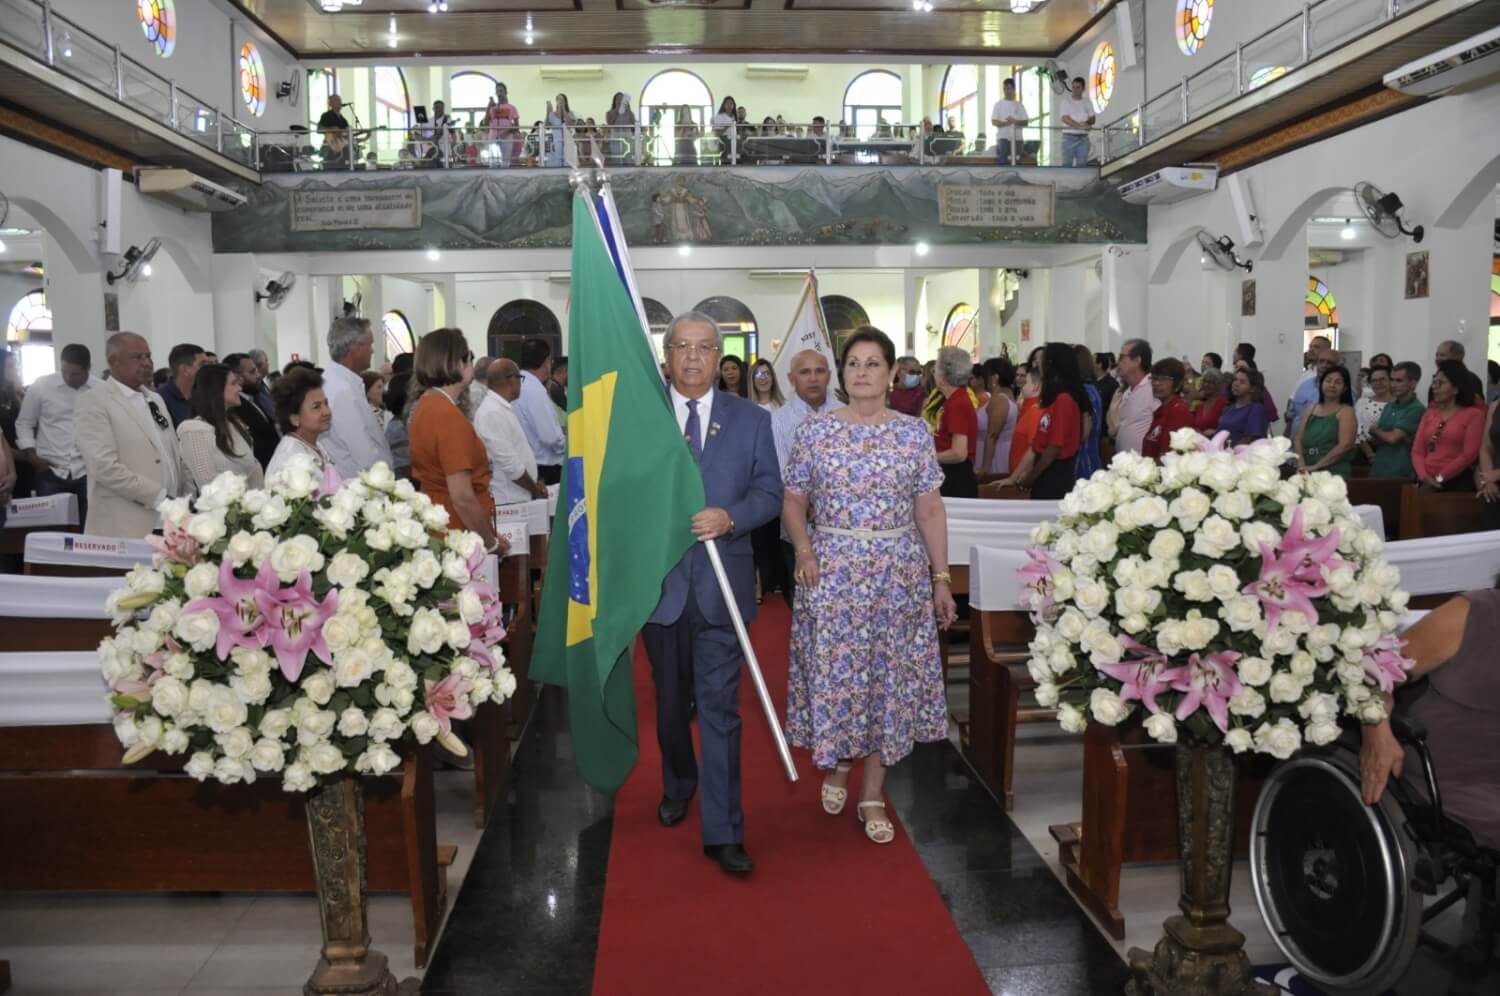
630, 488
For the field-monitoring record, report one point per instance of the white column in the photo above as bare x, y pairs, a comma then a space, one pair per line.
236, 280
1276, 328
912, 287
1066, 300
1125, 278
988, 315
76, 298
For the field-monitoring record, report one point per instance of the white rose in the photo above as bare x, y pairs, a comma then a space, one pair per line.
1259, 534
149, 731
505, 684
200, 765
1242, 613
353, 722
352, 667
1286, 687
1288, 494
1303, 665
1281, 740
1248, 702
207, 528
1135, 600
1162, 727
275, 512
1100, 540
426, 568
1368, 543
291, 557
1371, 711
236, 743
200, 693
1070, 625
481, 689
318, 686
1215, 537
340, 631
169, 697
424, 726
1198, 631
1194, 586
1259, 479
324, 758
241, 549
398, 674
1223, 582
297, 777
1094, 497
251, 689
1106, 707
1155, 573
1046, 694
222, 491
198, 629
1328, 488
427, 633
455, 568
177, 511
225, 710
315, 726
1234, 505
275, 723
1253, 670
380, 477
377, 760
1152, 511
146, 641
1237, 740
1135, 623
462, 542
1071, 718
336, 519
267, 755
1166, 545
458, 635
347, 570
399, 699
409, 533
174, 741
201, 580
1322, 734
386, 725
1280, 642
470, 606
1191, 507
1319, 707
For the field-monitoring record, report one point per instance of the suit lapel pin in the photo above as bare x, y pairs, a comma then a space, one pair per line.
713, 429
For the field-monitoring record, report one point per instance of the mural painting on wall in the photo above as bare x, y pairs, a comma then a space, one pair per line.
828, 206
1416, 274
1247, 298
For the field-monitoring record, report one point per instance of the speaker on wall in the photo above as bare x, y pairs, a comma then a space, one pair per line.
110, 234
1125, 30
1251, 232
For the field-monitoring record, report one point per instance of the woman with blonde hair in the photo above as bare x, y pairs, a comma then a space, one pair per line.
448, 459
764, 390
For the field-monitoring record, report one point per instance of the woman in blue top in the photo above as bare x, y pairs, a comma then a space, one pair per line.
1244, 418
1088, 454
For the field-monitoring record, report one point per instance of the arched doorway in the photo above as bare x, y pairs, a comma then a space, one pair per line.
516, 321
843, 315
671, 100
959, 328
736, 324
1321, 313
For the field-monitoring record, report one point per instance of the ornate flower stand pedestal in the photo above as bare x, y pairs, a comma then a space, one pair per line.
1201, 954
336, 826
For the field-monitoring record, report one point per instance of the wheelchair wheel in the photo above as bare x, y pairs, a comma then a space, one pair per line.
1332, 875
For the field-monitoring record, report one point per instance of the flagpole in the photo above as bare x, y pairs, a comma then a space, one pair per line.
751, 661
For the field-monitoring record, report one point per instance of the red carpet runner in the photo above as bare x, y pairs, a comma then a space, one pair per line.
825, 912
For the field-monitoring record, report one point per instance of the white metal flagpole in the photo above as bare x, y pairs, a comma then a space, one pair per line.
751, 661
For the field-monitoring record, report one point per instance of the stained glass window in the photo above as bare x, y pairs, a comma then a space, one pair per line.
959, 100
252, 79
159, 22
1266, 74
30, 314
1320, 302
1102, 76
959, 328
397, 333
1193, 19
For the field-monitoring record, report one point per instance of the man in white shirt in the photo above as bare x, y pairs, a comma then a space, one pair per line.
538, 414
1134, 404
128, 445
355, 441
1077, 118
44, 428
809, 377
513, 474
1008, 116
479, 386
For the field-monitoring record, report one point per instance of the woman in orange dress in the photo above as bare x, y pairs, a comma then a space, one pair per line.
1028, 419
448, 460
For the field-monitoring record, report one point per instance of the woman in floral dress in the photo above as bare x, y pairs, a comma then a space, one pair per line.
872, 585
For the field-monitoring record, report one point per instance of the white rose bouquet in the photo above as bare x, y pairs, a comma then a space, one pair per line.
304, 629
1222, 604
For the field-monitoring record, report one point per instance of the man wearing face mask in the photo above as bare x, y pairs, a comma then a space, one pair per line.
906, 387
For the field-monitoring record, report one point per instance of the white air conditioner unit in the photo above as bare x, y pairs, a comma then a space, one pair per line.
186, 190
778, 274
559, 277
572, 72
1468, 64
1173, 183
775, 71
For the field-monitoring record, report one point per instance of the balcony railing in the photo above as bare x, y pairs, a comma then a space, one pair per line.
33, 27
456, 147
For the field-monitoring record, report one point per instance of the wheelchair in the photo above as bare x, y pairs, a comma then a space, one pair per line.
1343, 887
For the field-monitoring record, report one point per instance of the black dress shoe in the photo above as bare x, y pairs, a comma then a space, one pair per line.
672, 811
731, 857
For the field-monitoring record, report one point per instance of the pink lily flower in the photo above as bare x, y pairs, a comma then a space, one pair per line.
242, 620
1144, 676
330, 484
1287, 582
1037, 575
175, 545
1385, 663
1308, 555
294, 623
1208, 681
448, 700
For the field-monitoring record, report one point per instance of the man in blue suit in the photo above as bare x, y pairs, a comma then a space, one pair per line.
689, 638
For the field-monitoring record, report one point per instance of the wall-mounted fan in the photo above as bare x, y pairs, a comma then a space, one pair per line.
1221, 251
1056, 76
135, 262
290, 88
277, 290
1384, 211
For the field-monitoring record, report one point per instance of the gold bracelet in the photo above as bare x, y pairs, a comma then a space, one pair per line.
804, 549
942, 576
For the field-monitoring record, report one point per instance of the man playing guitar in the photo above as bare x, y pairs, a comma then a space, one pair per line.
334, 128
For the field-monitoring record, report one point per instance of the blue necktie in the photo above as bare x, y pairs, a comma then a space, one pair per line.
694, 430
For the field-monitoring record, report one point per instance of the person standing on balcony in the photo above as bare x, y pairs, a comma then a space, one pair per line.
1077, 118
1008, 116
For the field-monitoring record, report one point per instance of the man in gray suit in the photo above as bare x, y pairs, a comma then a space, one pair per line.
129, 447
689, 638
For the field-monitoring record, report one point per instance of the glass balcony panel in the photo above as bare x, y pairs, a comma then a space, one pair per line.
83, 57
1337, 21
148, 93
21, 26
1163, 113
1213, 87
1278, 49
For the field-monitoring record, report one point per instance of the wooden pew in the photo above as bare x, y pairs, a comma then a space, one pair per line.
24, 516
83, 822
54, 554
494, 727
1130, 815
997, 680
1441, 513
1384, 492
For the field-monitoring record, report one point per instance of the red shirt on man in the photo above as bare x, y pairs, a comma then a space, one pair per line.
1171, 416
1061, 426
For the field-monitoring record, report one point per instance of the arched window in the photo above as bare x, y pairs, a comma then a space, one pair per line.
469, 94
515, 322
1102, 76
252, 79
1494, 296
872, 99
667, 97
29, 333
392, 107
658, 315
159, 23
843, 314
959, 101
736, 324
1193, 19
398, 337
959, 330
1264, 75
1322, 311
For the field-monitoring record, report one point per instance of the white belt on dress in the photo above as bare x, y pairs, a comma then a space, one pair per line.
865, 534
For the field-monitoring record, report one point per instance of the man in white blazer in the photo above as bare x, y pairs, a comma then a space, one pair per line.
128, 444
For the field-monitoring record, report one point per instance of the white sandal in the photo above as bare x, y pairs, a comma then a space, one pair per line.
834, 797
879, 831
